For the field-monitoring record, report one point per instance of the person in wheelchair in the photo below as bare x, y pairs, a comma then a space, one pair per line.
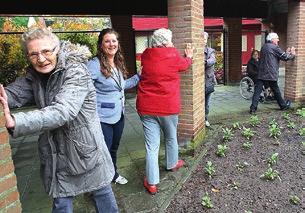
252, 72
252, 65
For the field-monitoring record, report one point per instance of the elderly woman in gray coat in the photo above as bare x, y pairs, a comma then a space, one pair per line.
210, 79
73, 157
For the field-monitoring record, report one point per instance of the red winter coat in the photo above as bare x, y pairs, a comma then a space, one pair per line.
159, 86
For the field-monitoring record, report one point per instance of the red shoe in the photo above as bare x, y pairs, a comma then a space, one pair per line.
152, 189
177, 167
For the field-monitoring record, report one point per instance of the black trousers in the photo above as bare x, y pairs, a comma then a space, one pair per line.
112, 134
275, 89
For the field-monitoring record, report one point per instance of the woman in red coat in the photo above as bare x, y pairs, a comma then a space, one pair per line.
158, 102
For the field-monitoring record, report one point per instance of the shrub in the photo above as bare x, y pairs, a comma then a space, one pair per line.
12, 59
219, 72
88, 39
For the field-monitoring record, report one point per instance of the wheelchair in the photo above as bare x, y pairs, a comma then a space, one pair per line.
246, 88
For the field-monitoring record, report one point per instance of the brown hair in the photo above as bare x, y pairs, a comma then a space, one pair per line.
253, 51
119, 60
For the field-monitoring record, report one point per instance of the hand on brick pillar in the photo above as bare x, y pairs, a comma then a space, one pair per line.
10, 122
189, 50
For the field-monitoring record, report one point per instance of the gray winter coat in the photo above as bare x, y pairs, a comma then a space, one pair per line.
270, 56
210, 60
73, 155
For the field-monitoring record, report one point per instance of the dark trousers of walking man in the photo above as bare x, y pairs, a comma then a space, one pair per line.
275, 89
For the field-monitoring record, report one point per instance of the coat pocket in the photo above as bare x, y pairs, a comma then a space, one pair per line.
82, 152
107, 105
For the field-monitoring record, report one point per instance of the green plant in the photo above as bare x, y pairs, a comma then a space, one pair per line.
301, 112
270, 174
302, 131
247, 132
273, 122
247, 145
254, 120
274, 131
221, 150
12, 59
291, 125
295, 200
206, 201
87, 39
209, 168
227, 134
236, 125
286, 115
273, 159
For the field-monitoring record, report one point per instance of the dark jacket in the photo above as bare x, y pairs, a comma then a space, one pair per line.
210, 60
270, 56
73, 154
252, 69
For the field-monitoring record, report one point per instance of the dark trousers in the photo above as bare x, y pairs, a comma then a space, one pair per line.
113, 134
103, 198
207, 104
275, 89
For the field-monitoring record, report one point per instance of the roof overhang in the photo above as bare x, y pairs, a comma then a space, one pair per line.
212, 8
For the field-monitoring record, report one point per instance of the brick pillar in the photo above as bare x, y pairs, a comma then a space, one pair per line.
185, 19
295, 75
9, 196
123, 25
232, 49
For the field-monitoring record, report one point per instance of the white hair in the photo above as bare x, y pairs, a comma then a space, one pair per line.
206, 34
271, 36
38, 33
161, 37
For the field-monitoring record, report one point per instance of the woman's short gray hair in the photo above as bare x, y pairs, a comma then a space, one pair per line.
205, 34
161, 37
38, 33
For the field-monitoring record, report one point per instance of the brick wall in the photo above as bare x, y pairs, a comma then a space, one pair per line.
232, 50
295, 75
185, 21
9, 196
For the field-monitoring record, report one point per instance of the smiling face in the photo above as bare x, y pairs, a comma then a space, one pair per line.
42, 54
110, 44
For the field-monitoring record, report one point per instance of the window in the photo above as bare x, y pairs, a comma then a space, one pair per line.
258, 42
141, 43
244, 46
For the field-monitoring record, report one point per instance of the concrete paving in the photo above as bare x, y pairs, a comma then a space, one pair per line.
226, 103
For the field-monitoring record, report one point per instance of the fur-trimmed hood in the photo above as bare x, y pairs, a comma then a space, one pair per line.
72, 53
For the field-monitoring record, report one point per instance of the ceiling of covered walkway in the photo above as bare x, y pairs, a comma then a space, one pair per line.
212, 8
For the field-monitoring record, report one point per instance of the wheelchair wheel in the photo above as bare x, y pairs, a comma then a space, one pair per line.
246, 87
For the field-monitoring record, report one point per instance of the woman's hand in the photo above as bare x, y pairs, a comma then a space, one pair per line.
189, 50
10, 122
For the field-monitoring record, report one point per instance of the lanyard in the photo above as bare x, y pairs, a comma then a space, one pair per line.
117, 78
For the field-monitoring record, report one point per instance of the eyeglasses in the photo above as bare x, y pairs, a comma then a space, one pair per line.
46, 53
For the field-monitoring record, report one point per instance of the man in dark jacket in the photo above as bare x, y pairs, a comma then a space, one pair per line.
73, 154
270, 56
